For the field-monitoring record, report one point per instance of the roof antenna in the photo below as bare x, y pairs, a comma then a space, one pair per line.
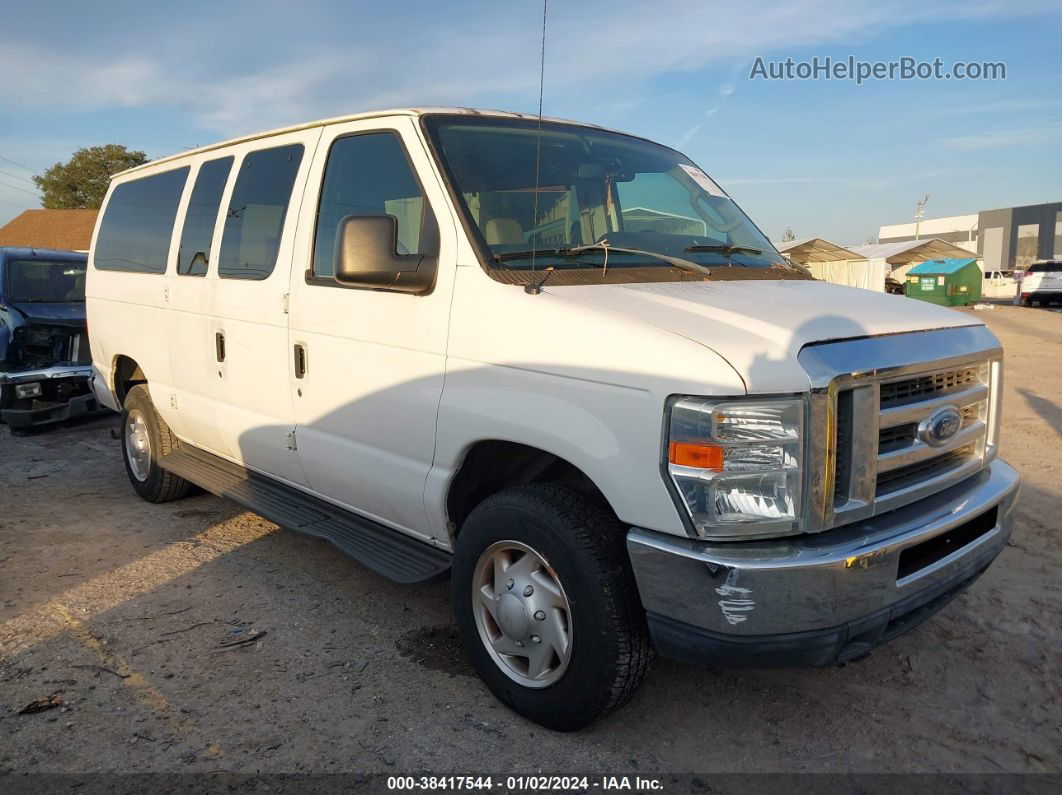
534, 288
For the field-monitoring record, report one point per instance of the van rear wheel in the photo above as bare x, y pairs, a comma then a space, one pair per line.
547, 606
145, 438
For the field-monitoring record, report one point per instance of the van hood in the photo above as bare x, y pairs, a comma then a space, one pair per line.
759, 326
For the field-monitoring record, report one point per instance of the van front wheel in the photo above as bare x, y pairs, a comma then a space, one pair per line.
145, 438
547, 607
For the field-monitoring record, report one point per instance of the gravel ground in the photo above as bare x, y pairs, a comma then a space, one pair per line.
194, 636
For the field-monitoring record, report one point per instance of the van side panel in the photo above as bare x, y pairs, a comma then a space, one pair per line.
190, 337
255, 415
127, 315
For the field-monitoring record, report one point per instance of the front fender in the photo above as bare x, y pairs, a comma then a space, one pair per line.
610, 432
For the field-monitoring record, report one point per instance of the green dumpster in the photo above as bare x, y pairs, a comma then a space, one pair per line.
949, 282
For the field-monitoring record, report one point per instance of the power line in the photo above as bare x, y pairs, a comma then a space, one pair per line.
16, 187
16, 176
12, 162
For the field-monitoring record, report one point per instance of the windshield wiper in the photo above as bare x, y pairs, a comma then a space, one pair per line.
572, 252
727, 248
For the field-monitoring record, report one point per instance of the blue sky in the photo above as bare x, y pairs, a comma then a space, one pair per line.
827, 158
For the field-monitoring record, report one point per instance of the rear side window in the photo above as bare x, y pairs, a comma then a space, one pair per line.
368, 175
193, 256
254, 220
138, 223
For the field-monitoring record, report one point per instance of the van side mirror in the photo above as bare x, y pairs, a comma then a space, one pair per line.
366, 256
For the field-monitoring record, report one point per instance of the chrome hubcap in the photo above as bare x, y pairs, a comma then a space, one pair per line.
137, 445
522, 613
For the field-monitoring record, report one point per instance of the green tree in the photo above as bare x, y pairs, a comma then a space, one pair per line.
788, 235
81, 182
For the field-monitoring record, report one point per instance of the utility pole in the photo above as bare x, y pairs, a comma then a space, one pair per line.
920, 212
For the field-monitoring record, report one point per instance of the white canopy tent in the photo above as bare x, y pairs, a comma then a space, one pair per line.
836, 264
898, 258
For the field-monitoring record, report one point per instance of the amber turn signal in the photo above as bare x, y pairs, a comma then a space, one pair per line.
699, 456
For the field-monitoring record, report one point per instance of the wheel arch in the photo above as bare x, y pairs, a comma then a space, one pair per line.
125, 374
492, 465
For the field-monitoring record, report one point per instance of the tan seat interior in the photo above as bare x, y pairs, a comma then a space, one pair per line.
503, 232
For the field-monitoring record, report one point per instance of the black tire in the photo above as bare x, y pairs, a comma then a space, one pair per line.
159, 485
610, 648
1026, 302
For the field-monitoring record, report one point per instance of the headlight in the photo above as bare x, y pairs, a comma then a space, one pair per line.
737, 465
27, 390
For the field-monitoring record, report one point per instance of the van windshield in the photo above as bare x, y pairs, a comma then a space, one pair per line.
648, 205
44, 281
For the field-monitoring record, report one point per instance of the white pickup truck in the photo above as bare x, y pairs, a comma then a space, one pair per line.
559, 365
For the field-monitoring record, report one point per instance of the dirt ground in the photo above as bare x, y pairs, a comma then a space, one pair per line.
194, 636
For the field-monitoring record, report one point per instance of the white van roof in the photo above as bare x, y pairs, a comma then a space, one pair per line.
373, 114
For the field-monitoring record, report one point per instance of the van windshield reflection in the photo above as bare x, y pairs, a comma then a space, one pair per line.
573, 192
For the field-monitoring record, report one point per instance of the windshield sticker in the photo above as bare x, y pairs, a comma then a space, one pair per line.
703, 180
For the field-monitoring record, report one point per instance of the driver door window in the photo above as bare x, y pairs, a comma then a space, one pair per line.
369, 175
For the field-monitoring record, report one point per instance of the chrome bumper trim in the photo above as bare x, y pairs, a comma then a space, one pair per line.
817, 581
47, 373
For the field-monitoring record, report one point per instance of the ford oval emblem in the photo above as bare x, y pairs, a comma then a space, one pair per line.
940, 428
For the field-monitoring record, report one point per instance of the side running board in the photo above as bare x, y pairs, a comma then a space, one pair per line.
387, 552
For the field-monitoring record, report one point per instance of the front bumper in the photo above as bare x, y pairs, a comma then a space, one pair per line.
66, 395
821, 599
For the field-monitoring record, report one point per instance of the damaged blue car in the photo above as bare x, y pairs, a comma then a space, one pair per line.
45, 363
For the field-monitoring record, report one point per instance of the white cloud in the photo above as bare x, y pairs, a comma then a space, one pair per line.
997, 139
595, 52
687, 136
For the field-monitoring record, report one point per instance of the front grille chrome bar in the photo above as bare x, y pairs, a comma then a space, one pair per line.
920, 373
919, 451
916, 412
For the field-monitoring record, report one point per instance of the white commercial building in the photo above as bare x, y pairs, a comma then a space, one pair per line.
958, 229
1005, 239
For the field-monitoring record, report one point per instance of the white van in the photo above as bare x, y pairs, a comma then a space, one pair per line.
558, 364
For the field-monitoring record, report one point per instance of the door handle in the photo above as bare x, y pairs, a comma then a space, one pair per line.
219, 346
300, 360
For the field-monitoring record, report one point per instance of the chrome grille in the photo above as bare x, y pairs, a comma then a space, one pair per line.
903, 467
911, 390
842, 475
868, 398
913, 474
896, 437
905, 462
